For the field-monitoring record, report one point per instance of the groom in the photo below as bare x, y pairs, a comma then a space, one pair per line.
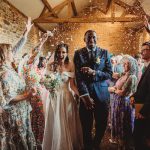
92, 69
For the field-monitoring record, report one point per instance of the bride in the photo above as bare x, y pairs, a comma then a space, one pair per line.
62, 127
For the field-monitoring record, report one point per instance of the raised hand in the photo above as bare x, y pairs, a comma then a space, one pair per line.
50, 33
44, 38
29, 25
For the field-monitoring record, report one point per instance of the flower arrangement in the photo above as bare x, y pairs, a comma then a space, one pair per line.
32, 76
52, 81
97, 60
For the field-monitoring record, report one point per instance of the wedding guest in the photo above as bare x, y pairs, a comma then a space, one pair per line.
15, 122
142, 96
122, 112
33, 78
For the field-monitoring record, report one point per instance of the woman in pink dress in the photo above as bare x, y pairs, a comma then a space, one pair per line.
122, 112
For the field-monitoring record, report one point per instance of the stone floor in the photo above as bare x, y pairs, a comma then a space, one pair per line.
106, 145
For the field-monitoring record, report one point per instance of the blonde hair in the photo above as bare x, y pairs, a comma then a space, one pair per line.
3, 49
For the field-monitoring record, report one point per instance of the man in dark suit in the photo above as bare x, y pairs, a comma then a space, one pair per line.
92, 69
142, 96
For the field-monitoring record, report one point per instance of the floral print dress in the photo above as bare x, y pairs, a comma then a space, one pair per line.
32, 78
122, 112
15, 123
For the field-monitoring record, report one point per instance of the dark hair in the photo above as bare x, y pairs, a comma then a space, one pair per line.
66, 61
88, 31
41, 59
146, 43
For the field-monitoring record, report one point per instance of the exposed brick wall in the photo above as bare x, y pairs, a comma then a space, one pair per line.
141, 37
12, 25
113, 37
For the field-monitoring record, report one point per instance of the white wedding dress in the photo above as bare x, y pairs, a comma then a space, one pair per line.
62, 126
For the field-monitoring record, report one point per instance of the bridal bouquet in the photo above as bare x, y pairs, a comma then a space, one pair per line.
52, 81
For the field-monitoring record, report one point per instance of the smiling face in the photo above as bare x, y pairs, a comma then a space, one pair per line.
90, 39
61, 54
145, 52
126, 66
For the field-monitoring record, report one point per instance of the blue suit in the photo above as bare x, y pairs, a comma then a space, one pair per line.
95, 86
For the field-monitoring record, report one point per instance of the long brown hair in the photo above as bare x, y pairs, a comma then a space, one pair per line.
3, 48
66, 61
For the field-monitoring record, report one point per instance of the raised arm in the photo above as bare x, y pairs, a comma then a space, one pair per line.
37, 49
23, 38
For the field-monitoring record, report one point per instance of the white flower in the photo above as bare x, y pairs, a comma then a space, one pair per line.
49, 33
53, 77
98, 60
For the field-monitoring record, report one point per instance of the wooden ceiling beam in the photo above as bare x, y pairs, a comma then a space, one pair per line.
108, 5
124, 13
87, 20
57, 9
74, 8
112, 10
45, 2
70, 10
43, 11
41, 28
136, 9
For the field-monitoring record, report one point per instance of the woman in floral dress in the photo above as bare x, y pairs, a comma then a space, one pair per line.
122, 111
15, 108
41, 70
33, 78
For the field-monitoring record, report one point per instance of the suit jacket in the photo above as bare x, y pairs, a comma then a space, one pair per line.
94, 85
142, 95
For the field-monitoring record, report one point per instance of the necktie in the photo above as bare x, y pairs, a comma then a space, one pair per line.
91, 55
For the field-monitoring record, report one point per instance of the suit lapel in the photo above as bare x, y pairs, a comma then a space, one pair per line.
147, 69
